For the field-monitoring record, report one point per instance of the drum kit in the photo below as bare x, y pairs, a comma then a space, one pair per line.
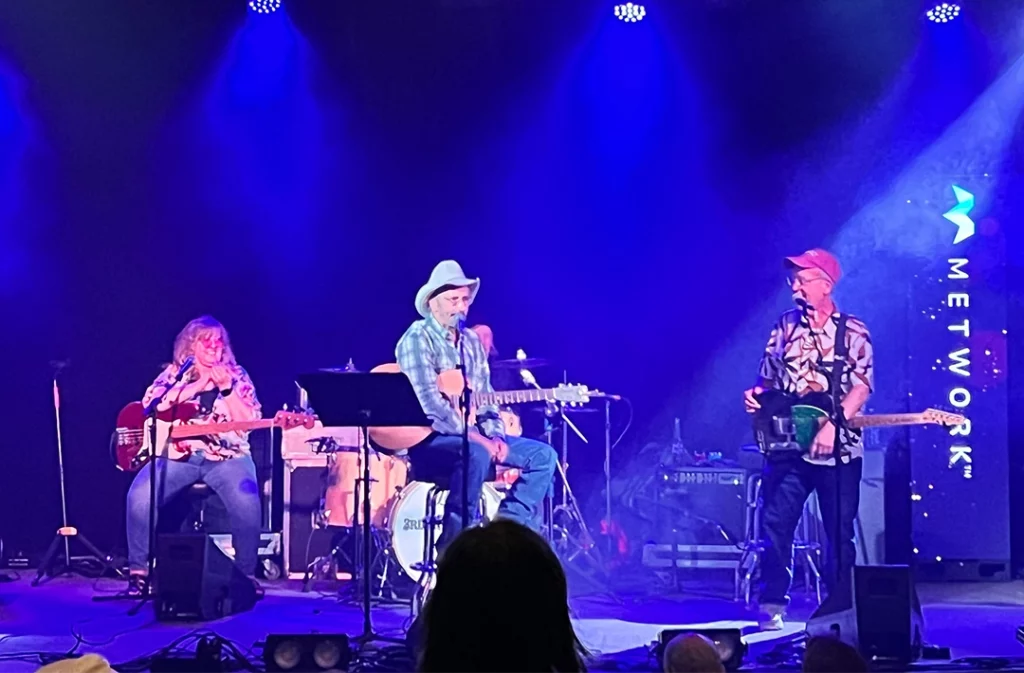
400, 507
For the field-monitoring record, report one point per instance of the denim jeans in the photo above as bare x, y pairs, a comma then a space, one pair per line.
439, 459
786, 484
233, 480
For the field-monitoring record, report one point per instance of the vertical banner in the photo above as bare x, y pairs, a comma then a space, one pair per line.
960, 475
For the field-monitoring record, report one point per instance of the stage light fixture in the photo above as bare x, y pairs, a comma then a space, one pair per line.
729, 642
944, 12
630, 13
307, 652
264, 6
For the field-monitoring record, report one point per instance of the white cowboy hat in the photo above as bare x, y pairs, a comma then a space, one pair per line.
446, 274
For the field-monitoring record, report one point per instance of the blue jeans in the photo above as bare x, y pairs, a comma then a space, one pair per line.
438, 459
786, 484
233, 480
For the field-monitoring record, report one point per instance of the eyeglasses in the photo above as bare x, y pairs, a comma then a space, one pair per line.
790, 281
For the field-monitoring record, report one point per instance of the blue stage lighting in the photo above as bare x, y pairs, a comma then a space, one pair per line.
630, 12
944, 12
264, 6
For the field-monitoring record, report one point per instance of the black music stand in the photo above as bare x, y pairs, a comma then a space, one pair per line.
349, 399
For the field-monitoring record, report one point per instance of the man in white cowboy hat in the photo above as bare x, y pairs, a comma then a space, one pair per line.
434, 345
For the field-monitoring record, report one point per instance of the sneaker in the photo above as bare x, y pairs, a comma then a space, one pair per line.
771, 618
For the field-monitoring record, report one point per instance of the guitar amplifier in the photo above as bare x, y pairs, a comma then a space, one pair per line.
306, 537
309, 530
703, 506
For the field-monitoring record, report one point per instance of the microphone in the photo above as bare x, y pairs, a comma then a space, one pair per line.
804, 307
527, 376
185, 366
60, 364
458, 321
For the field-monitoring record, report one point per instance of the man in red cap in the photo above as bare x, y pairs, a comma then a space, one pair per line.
797, 361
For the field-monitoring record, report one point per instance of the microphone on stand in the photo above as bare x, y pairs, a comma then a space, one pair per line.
527, 376
802, 304
458, 322
551, 409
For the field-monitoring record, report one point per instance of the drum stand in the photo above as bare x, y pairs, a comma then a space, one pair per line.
380, 544
567, 530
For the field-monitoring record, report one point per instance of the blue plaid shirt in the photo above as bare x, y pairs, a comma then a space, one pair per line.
427, 349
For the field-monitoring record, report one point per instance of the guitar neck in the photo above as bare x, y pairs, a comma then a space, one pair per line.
879, 420
501, 397
187, 431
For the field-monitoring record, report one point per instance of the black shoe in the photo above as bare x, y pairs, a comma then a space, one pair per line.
138, 585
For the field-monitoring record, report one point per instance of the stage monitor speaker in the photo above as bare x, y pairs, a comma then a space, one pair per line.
197, 581
884, 623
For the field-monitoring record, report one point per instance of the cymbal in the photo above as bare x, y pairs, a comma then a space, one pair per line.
527, 363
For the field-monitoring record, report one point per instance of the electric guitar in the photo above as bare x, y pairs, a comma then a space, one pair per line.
787, 423
131, 442
450, 384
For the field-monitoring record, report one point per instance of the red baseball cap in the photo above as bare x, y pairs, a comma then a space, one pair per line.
823, 260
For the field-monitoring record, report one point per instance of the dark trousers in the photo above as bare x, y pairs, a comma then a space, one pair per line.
438, 459
786, 484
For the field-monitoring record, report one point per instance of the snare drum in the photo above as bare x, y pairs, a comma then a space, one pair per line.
407, 517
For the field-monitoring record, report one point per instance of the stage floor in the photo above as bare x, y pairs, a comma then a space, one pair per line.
972, 619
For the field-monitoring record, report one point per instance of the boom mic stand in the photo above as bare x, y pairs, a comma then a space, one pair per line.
66, 532
151, 414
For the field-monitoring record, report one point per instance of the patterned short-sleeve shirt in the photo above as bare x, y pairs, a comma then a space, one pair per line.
212, 409
795, 352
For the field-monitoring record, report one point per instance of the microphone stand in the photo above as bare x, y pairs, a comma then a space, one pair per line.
836, 370
151, 413
838, 418
464, 400
66, 532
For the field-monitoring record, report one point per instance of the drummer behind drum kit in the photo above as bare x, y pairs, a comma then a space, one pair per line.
399, 507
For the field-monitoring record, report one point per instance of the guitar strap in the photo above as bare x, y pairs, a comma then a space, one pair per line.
842, 349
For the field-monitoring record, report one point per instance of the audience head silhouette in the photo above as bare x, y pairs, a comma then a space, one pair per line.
692, 653
825, 654
500, 604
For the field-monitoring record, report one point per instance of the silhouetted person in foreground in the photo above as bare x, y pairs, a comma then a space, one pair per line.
500, 604
692, 653
831, 655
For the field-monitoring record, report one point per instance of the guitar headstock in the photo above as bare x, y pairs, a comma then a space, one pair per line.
940, 417
571, 394
287, 420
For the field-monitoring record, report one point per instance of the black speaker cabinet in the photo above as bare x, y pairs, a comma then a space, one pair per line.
885, 622
195, 580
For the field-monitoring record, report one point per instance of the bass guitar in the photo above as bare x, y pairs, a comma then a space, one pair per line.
450, 384
131, 441
787, 423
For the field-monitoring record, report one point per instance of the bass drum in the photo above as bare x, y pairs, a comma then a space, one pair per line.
407, 516
388, 474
